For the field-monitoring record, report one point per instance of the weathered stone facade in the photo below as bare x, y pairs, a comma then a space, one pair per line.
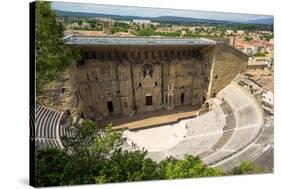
60, 95
228, 62
126, 79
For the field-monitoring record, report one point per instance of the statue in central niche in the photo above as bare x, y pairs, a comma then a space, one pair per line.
147, 71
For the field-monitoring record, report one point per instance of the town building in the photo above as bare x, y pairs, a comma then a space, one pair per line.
259, 62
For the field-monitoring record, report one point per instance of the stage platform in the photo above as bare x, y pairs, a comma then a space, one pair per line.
151, 119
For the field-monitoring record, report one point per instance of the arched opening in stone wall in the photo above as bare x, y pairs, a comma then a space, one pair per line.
110, 106
82, 115
204, 99
182, 98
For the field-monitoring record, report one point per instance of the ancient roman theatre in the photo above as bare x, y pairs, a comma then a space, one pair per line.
170, 96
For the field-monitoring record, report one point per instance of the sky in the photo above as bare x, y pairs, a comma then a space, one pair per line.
153, 12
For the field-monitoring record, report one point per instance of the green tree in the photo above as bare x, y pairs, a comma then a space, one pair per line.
130, 166
189, 167
91, 156
87, 140
260, 54
248, 38
51, 56
80, 22
93, 24
49, 166
246, 167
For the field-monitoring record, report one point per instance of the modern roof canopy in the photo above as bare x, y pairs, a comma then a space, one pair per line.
137, 41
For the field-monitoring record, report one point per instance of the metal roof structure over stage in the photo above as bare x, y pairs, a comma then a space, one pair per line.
137, 41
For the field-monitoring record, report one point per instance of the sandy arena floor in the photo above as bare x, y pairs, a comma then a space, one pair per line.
157, 138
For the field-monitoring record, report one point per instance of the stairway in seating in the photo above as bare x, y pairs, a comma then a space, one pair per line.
228, 129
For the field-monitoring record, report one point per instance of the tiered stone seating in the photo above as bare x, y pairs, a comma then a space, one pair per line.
215, 157
223, 140
230, 122
219, 134
260, 149
267, 136
242, 145
194, 145
266, 159
32, 123
47, 123
226, 108
47, 142
234, 96
247, 116
241, 137
209, 122
222, 133
250, 154
66, 132
204, 154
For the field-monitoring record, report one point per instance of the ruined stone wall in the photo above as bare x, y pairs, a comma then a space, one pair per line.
227, 63
59, 95
111, 82
115, 81
102, 82
147, 85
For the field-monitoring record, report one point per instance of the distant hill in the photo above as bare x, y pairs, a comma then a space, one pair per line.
176, 19
84, 14
267, 21
162, 19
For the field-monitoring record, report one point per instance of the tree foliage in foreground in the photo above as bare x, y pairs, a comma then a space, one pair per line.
247, 167
189, 167
99, 158
50, 54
